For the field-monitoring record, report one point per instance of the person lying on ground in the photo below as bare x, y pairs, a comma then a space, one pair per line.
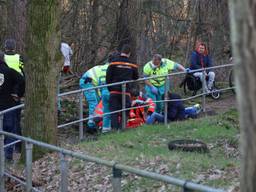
176, 111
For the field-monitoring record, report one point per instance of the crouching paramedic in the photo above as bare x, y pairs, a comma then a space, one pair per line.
120, 69
137, 117
145, 107
93, 77
155, 88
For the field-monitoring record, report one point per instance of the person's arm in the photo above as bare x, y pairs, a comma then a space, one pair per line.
209, 63
109, 76
136, 74
70, 51
147, 82
193, 60
179, 67
19, 84
146, 74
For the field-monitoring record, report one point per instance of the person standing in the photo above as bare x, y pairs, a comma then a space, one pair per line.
67, 53
120, 69
13, 59
155, 88
12, 86
16, 62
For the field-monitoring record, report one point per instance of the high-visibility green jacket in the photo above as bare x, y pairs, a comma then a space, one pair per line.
98, 74
165, 68
13, 61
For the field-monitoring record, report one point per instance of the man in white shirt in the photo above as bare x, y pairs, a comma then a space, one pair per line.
67, 53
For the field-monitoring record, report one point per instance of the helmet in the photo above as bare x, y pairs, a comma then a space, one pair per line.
135, 90
10, 44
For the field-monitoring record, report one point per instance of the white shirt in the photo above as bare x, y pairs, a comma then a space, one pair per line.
66, 52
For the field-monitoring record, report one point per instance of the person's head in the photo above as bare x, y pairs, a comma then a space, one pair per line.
157, 59
135, 90
113, 55
10, 45
201, 48
126, 50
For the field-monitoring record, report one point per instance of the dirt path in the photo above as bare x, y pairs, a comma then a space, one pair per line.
226, 102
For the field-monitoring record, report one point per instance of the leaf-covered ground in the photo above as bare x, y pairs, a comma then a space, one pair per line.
146, 148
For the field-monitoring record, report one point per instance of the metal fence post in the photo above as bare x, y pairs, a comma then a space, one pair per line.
116, 180
204, 91
29, 148
166, 98
81, 113
2, 157
123, 106
63, 173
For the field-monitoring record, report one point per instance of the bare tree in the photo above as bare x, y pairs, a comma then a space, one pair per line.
243, 28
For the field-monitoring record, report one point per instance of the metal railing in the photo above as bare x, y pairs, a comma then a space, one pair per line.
117, 168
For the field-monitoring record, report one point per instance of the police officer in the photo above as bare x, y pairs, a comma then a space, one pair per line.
15, 61
120, 69
155, 88
12, 85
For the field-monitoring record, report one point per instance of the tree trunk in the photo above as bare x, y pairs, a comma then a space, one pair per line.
42, 67
3, 20
243, 27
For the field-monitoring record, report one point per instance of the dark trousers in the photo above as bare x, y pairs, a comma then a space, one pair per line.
115, 104
9, 125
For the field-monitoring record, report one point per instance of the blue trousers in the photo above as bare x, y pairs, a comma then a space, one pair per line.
105, 100
158, 97
92, 99
155, 117
9, 125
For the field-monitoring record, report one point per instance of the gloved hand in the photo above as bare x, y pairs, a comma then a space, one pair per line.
149, 113
188, 70
137, 102
15, 97
154, 90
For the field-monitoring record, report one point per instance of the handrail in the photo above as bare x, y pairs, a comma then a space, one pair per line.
11, 109
142, 79
116, 165
119, 83
136, 107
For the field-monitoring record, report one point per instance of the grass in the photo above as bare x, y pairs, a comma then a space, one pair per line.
146, 148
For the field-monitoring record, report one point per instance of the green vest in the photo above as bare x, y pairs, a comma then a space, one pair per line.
167, 65
98, 74
13, 61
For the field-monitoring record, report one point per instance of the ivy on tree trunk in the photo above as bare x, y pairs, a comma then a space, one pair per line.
42, 69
